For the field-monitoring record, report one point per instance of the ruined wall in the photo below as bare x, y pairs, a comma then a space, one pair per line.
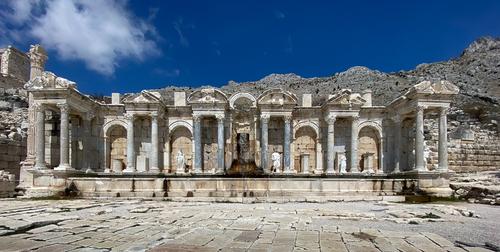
473, 143
14, 68
12, 152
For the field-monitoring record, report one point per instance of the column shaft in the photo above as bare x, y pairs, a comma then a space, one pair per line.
130, 144
397, 144
419, 140
264, 120
286, 146
354, 145
64, 139
40, 138
197, 144
330, 158
443, 141
220, 144
87, 132
154, 144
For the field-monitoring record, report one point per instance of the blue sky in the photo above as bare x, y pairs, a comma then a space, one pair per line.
128, 46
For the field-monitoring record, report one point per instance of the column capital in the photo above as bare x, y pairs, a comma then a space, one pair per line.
220, 117
397, 118
330, 119
355, 118
64, 107
443, 111
38, 107
421, 108
129, 116
287, 118
196, 118
89, 115
264, 118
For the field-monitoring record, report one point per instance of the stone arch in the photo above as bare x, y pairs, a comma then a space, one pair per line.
110, 124
306, 123
237, 96
305, 144
268, 97
181, 139
370, 147
180, 123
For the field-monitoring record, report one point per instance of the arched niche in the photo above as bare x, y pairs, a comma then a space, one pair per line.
181, 140
305, 144
245, 99
370, 149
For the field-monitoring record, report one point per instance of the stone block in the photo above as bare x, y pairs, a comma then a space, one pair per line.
179, 98
115, 98
306, 100
142, 163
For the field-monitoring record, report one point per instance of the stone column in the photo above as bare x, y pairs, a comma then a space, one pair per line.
330, 156
64, 139
286, 146
354, 144
154, 142
397, 143
106, 151
166, 161
197, 144
419, 139
443, 141
40, 137
130, 144
87, 132
220, 144
264, 122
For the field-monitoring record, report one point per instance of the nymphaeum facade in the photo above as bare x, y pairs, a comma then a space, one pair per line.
210, 132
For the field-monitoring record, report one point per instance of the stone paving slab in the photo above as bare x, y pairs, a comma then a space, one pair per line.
118, 225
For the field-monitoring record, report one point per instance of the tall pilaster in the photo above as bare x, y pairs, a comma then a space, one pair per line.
354, 144
220, 144
197, 143
443, 141
154, 142
330, 158
264, 123
419, 139
286, 145
130, 144
397, 143
40, 137
64, 138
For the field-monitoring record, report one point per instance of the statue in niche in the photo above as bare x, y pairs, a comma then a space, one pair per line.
276, 158
342, 163
181, 161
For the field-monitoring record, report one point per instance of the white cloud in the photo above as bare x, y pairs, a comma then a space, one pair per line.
98, 32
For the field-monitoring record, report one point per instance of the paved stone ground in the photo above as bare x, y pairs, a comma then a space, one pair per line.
134, 225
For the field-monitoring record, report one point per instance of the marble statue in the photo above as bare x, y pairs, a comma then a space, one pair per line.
342, 164
181, 162
276, 158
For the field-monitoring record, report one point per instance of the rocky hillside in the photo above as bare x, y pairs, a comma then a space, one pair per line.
476, 71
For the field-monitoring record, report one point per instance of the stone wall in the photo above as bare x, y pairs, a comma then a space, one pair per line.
14, 68
473, 143
12, 152
7, 184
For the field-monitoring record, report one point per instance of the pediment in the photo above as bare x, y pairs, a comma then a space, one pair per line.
277, 97
207, 95
345, 98
145, 97
438, 87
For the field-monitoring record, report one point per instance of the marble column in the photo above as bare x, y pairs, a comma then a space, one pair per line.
397, 143
64, 139
40, 137
286, 145
443, 141
419, 140
330, 156
130, 144
154, 143
106, 151
87, 132
197, 144
264, 123
220, 144
354, 144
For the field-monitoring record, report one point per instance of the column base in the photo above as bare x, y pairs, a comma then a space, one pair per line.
154, 170
64, 167
107, 170
289, 171
40, 167
330, 172
129, 169
318, 172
